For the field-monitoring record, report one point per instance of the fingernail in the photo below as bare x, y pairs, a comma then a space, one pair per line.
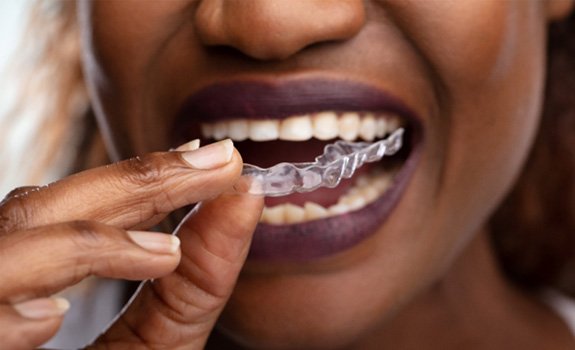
190, 146
38, 309
211, 156
155, 242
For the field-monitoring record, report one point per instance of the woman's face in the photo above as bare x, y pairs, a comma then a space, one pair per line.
464, 77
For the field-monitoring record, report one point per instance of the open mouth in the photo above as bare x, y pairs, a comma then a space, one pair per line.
271, 127
298, 139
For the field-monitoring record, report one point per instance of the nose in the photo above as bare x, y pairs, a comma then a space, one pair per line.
277, 29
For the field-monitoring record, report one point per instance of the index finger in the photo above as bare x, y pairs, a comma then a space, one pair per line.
127, 193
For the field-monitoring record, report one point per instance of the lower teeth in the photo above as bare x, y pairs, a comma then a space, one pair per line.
365, 191
340, 160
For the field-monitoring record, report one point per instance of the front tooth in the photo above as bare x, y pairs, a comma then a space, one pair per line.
325, 126
294, 214
380, 127
367, 128
238, 130
264, 130
296, 129
338, 209
369, 193
393, 123
352, 201
363, 180
348, 126
220, 130
274, 215
382, 183
314, 211
207, 130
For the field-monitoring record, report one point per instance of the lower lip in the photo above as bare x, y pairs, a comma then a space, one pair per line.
326, 237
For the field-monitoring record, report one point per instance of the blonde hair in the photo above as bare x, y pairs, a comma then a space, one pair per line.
50, 97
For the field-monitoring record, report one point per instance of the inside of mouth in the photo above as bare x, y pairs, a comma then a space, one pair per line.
368, 182
270, 153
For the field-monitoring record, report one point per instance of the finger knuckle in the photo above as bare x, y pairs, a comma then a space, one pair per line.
148, 170
20, 191
15, 213
87, 235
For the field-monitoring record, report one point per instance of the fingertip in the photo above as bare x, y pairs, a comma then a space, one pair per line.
42, 308
209, 157
160, 256
155, 242
29, 324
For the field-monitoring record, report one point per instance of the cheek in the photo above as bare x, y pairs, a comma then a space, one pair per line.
122, 42
492, 109
122, 38
470, 42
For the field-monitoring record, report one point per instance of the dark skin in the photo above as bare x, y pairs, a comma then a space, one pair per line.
473, 70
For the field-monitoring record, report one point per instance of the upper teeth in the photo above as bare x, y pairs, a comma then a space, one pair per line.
323, 126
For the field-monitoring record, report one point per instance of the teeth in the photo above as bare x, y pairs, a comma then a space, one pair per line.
349, 126
238, 130
296, 129
380, 127
220, 130
314, 211
293, 213
393, 123
323, 125
274, 215
353, 201
366, 190
207, 130
370, 194
263, 130
367, 127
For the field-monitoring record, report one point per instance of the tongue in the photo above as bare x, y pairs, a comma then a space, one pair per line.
266, 154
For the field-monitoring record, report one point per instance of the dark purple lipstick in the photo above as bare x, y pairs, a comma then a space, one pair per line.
277, 100
256, 99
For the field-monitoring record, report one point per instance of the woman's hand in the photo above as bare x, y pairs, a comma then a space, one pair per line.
91, 224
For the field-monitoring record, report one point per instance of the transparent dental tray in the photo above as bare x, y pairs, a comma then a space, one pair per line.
338, 161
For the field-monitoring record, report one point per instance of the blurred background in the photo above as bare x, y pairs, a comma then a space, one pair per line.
13, 14
12, 20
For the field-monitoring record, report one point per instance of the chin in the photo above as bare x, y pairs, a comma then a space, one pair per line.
301, 326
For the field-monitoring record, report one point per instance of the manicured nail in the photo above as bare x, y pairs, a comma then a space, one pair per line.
155, 242
190, 146
38, 309
211, 156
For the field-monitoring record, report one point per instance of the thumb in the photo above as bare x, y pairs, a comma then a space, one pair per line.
182, 308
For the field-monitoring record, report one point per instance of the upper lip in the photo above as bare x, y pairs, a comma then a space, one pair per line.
265, 99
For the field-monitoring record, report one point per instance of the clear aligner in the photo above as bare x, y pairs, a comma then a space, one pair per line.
338, 161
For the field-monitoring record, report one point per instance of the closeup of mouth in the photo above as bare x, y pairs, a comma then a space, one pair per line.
293, 121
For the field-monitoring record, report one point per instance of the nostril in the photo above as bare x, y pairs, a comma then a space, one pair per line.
277, 29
